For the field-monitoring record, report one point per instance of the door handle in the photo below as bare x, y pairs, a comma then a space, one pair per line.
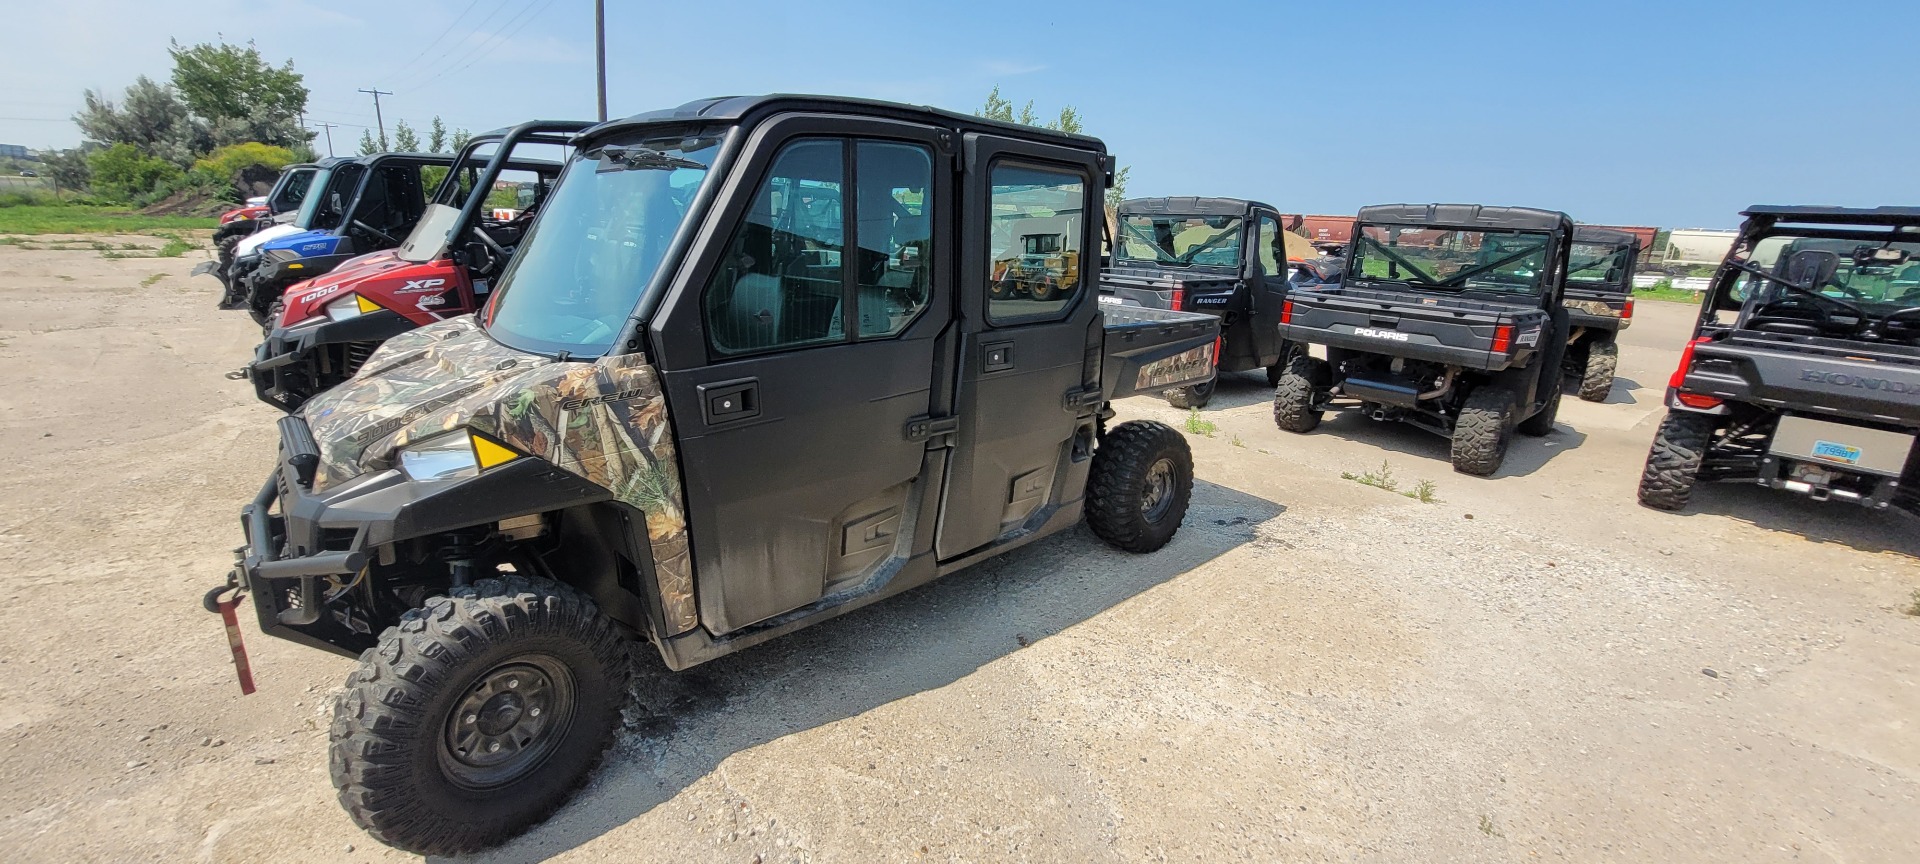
728, 401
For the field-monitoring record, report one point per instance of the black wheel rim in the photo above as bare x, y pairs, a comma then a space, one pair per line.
1157, 498
509, 721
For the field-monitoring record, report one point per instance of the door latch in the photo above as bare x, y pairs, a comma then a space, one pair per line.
1081, 400
938, 432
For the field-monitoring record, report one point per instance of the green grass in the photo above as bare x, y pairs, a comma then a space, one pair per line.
1423, 491
90, 219
1914, 607
1198, 425
148, 282
1664, 290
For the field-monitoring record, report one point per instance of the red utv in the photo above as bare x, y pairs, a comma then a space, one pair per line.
330, 324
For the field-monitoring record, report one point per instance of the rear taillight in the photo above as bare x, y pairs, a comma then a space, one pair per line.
1627, 312
1686, 362
1286, 312
1502, 338
1698, 400
1179, 299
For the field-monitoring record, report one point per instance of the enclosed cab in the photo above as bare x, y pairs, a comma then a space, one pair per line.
1226, 257
746, 372
1599, 306
1449, 317
277, 207
367, 204
329, 325
1804, 370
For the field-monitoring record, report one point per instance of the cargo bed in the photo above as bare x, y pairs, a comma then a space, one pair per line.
1151, 350
1439, 328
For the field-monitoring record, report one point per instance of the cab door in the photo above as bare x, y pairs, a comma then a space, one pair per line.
1029, 346
797, 358
1267, 286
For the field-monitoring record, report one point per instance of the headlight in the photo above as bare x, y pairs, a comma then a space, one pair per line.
453, 456
442, 458
350, 307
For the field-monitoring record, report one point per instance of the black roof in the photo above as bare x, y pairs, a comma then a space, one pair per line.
1467, 216
332, 161
1836, 215
1191, 206
734, 109
1608, 236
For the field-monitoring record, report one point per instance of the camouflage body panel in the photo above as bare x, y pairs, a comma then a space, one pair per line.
1186, 367
1597, 308
605, 421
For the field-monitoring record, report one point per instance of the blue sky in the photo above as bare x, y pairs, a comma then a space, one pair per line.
1671, 114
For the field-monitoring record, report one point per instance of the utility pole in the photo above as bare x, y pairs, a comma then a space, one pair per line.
377, 93
600, 51
328, 127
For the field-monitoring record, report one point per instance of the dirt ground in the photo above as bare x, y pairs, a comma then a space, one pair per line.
1532, 668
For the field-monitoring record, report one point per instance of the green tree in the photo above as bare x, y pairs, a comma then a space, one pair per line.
1117, 192
125, 173
997, 107
1069, 121
150, 116
405, 140
437, 136
368, 146
1027, 116
460, 139
68, 168
239, 95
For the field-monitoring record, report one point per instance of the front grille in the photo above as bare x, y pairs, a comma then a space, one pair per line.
357, 354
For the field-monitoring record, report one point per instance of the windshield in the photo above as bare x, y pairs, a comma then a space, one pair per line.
1180, 240
294, 193
1601, 263
589, 257
1876, 276
1454, 259
311, 202
429, 237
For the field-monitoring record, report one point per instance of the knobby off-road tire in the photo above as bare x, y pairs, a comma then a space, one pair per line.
1673, 463
1139, 485
1603, 360
1541, 423
478, 715
1274, 372
1483, 430
1293, 397
1195, 396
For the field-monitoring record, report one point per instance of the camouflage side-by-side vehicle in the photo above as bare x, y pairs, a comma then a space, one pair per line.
1599, 305
747, 371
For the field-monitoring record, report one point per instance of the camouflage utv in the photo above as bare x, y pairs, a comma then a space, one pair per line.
746, 372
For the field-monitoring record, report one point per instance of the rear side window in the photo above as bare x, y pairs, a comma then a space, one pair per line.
1034, 233
781, 282
894, 182
1273, 253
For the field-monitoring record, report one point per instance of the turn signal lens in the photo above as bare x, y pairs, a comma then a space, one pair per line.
1179, 299
1627, 312
1686, 362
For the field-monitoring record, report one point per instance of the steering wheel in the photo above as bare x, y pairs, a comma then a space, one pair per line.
375, 232
1793, 313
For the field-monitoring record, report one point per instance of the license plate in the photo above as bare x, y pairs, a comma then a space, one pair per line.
1859, 448
1836, 452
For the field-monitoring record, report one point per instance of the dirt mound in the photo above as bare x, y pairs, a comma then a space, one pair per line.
189, 202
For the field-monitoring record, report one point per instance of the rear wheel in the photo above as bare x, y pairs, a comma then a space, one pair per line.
478, 715
1044, 290
1193, 396
1483, 430
1603, 360
1673, 463
1139, 485
1293, 396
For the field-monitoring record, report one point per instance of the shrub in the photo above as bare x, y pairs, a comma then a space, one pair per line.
223, 163
123, 173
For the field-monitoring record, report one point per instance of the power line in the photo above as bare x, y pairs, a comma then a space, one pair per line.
507, 31
454, 22
329, 129
453, 47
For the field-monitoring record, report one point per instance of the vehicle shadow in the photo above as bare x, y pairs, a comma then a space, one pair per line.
1525, 455
682, 726
1621, 394
1240, 389
1858, 528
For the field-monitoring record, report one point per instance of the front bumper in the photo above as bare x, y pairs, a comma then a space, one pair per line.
292, 365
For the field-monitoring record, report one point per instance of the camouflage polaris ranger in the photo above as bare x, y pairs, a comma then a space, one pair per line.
1599, 305
749, 370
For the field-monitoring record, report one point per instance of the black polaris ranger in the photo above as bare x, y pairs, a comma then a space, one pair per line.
1600, 303
1221, 256
283, 201
1804, 373
745, 373
1449, 317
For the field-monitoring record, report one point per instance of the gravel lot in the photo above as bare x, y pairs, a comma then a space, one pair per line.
1531, 668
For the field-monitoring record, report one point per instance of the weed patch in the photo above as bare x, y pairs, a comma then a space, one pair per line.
1425, 491
1198, 425
148, 282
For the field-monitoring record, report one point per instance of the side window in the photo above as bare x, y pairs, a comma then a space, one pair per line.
1033, 238
780, 283
1273, 253
895, 243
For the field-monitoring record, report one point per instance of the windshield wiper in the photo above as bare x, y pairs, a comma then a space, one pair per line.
1159, 255
1187, 256
635, 156
1744, 267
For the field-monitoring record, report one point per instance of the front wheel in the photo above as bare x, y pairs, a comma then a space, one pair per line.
1139, 485
1483, 430
478, 715
1596, 381
1673, 463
